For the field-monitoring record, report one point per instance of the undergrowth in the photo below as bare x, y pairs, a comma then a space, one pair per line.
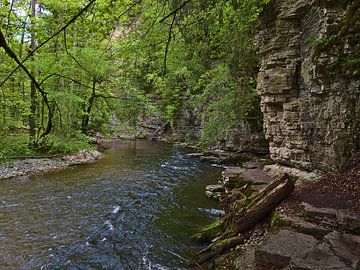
14, 146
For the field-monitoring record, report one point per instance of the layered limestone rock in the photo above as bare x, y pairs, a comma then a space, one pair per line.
311, 105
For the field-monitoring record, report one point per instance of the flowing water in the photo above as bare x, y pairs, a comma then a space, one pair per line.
134, 209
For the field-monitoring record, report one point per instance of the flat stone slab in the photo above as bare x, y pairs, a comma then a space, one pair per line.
304, 226
335, 218
246, 261
234, 175
215, 188
278, 249
302, 176
320, 257
346, 246
286, 248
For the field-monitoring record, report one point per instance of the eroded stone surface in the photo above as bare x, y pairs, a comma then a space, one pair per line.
335, 218
303, 176
320, 257
346, 246
303, 226
286, 248
246, 261
308, 104
236, 175
278, 249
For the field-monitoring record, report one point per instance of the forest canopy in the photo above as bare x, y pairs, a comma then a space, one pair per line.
69, 68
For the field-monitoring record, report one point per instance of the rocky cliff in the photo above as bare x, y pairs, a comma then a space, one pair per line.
309, 81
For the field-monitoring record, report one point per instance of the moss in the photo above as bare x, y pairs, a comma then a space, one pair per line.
343, 39
210, 231
225, 242
242, 205
275, 219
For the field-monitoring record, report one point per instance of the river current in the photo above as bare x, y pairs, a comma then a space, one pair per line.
134, 209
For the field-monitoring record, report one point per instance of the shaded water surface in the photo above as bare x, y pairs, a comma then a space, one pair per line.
134, 209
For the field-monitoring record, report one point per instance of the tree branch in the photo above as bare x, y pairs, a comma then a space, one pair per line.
174, 11
73, 19
65, 77
76, 61
168, 42
12, 55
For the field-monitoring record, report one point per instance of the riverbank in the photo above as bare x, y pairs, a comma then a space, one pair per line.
28, 166
315, 225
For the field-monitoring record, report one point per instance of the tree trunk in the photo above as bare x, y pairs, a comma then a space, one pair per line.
271, 196
87, 110
33, 96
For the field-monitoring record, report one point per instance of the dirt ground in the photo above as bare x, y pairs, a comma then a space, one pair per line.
339, 190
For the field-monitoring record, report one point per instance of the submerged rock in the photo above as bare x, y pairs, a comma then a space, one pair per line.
215, 191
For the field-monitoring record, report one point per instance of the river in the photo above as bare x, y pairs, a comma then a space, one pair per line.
134, 209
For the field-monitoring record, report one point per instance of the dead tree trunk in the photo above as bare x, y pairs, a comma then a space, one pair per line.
264, 203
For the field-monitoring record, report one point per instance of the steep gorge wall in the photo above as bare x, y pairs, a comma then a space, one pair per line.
311, 105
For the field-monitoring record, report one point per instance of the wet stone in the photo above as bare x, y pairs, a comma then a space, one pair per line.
195, 154
210, 159
215, 191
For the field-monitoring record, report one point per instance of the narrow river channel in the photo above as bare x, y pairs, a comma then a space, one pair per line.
134, 209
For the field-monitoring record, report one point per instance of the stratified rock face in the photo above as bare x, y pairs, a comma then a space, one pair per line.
311, 107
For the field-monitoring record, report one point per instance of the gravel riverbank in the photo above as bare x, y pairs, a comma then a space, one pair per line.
35, 165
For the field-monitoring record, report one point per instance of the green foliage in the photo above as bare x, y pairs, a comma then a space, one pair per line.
117, 64
322, 43
68, 144
275, 218
15, 146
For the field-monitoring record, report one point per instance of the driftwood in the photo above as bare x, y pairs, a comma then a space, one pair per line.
216, 248
263, 202
247, 215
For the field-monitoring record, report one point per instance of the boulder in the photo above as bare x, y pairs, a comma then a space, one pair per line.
215, 191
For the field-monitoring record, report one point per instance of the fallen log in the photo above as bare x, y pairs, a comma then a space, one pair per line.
216, 249
264, 202
246, 214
